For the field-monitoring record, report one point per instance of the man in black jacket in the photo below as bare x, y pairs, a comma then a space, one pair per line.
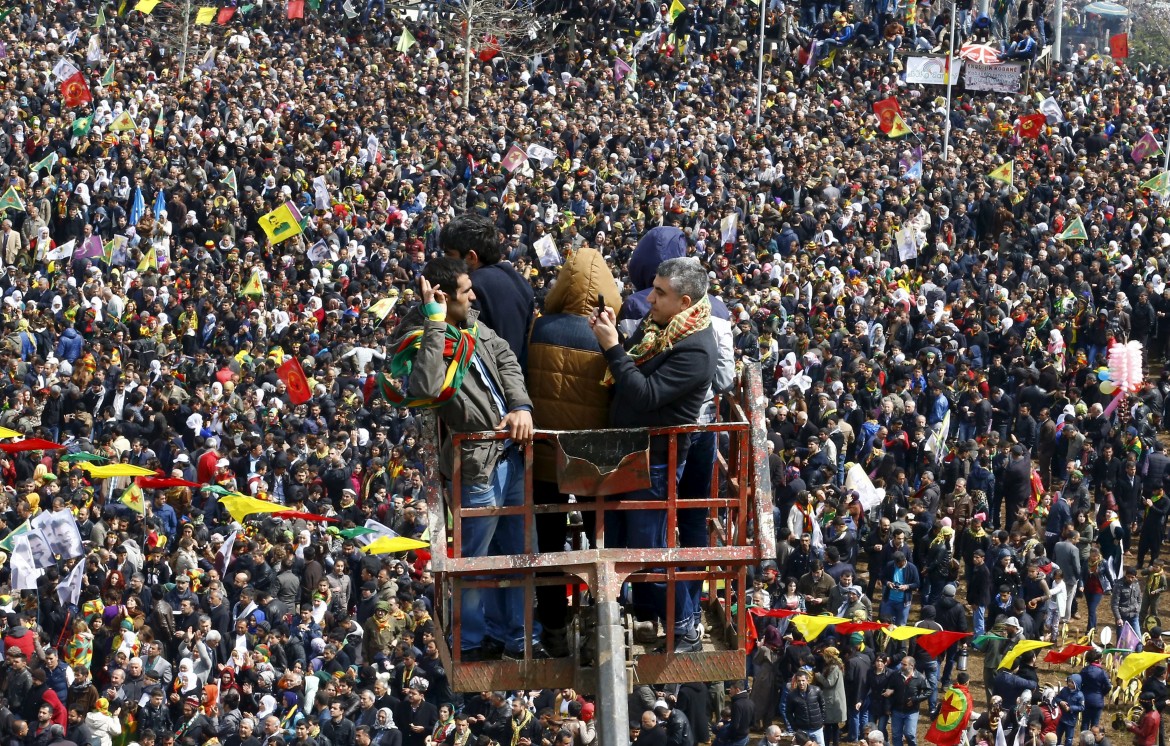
678, 727
1017, 482
743, 714
806, 706
504, 298
661, 378
907, 690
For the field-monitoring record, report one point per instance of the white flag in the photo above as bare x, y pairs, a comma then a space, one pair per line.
64, 251
542, 154
223, 558
24, 569
321, 199
69, 589
546, 252
728, 227
868, 495
1051, 109
64, 69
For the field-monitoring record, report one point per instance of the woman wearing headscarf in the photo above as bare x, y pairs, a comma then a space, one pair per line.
102, 724
385, 732
445, 725
831, 680
938, 562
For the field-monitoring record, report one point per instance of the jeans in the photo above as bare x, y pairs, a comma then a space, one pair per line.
1065, 732
1091, 716
905, 725
646, 529
495, 612
695, 483
854, 721
966, 431
817, 735
897, 611
931, 674
1093, 600
979, 619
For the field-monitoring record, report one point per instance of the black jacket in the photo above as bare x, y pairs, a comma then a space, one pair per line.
1017, 482
743, 714
908, 693
506, 305
806, 709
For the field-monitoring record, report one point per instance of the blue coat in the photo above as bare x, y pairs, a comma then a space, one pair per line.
1095, 685
910, 577
1074, 699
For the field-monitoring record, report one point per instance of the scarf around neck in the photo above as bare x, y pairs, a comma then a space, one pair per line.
657, 338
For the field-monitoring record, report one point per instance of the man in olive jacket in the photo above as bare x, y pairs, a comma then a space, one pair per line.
490, 396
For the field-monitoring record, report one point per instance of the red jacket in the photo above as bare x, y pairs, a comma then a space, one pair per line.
1145, 731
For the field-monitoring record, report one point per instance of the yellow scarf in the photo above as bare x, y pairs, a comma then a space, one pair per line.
656, 338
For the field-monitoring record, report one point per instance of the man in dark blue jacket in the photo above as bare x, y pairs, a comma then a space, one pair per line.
661, 378
899, 580
503, 297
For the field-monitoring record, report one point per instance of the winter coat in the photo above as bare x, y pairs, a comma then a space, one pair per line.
565, 362
806, 710
1074, 698
832, 684
1095, 685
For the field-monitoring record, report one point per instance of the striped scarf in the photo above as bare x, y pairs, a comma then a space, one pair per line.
458, 348
656, 338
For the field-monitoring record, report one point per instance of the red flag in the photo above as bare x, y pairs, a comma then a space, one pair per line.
773, 613
954, 712
937, 642
1032, 125
162, 483
849, 628
885, 110
225, 15
296, 9
30, 444
1066, 654
293, 375
490, 49
1119, 46
293, 514
74, 91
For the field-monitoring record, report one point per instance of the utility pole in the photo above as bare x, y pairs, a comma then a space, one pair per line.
1057, 32
950, 85
186, 38
760, 70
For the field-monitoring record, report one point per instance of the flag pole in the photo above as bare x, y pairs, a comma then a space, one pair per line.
950, 85
760, 67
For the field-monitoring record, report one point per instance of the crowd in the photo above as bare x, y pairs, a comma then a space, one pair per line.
249, 274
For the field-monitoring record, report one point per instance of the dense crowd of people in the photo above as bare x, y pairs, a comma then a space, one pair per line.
602, 235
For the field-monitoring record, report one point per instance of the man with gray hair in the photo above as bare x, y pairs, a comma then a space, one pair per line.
660, 378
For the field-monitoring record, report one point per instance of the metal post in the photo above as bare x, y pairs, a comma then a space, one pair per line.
613, 726
1166, 147
1057, 32
186, 37
760, 69
950, 85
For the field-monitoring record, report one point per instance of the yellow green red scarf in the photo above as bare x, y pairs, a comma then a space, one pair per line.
458, 347
656, 338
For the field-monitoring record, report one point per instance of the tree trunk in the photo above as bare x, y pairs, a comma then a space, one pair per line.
467, 64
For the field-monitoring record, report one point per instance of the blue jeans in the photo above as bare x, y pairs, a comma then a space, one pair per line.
695, 483
854, 721
646, 529
898, 611
1091, 716
1065, 732
1093, 600
494, 612
979, 619
931, 674
905, 725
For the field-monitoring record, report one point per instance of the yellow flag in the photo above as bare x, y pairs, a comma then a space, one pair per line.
6, 433
282, 223
124, 123
1023, 646
146, 6
1005, 173
898, 127
393, 544
148, 261
132, 498
242, 506
905, 632
811, 627
406, 41
116, 470
676, 10
254, 289
382, 308
1134, 663
205, 16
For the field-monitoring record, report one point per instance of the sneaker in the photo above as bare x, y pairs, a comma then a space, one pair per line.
693, 644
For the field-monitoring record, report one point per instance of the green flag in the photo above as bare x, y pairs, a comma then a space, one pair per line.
1074, 231
406, 41
108, 78
1159, 185
71, 458
160, 125
353, 533
47, 162
101, 18
82, 126
5, 13
10, 200
230, 181
20, 530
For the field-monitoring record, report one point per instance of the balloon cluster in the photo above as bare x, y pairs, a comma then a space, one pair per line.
1124, 374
